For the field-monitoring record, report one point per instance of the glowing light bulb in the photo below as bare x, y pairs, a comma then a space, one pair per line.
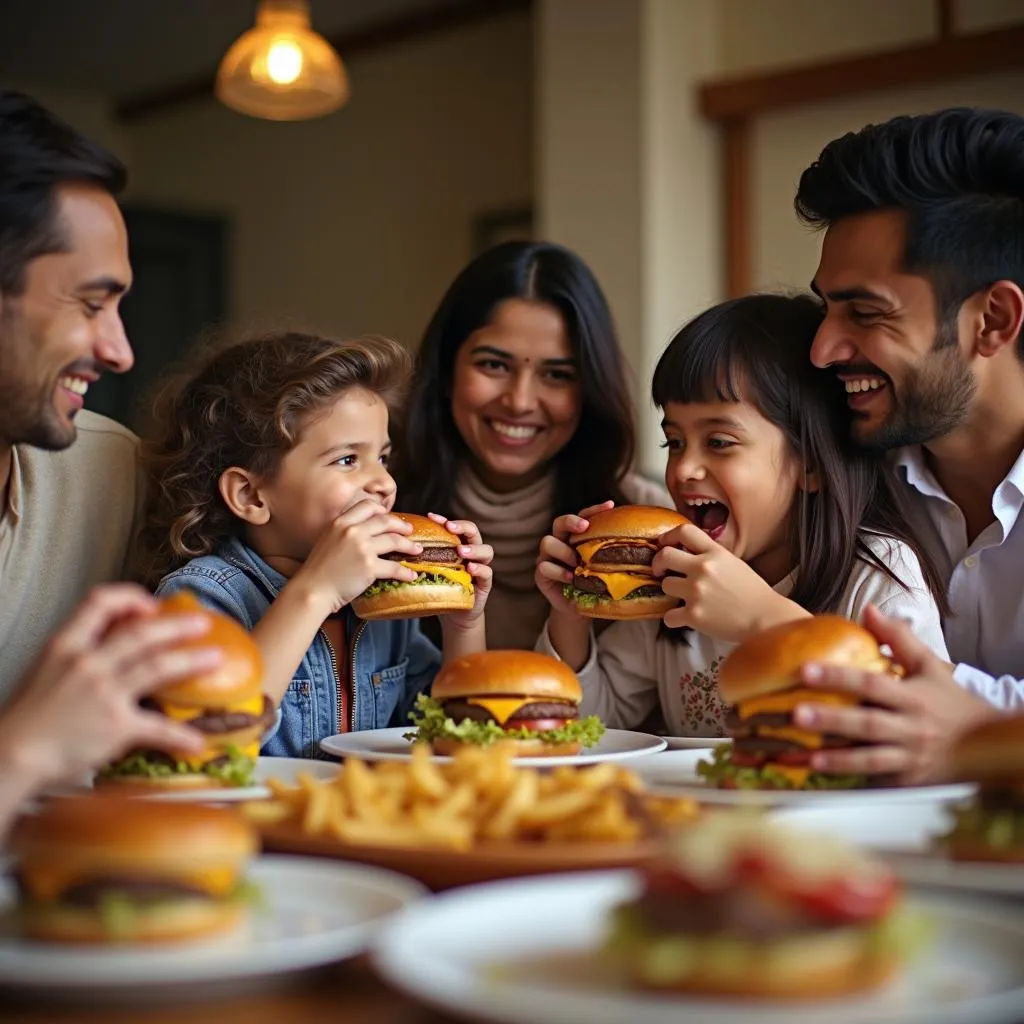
284, 62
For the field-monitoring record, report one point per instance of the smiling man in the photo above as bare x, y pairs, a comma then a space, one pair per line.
922, 279
69, 479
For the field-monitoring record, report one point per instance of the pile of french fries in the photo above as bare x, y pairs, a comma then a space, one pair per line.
480, 795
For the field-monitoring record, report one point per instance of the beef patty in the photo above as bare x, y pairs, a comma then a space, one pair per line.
623, 554
216, 721
440, 555
92, 893
596, 585
458, 709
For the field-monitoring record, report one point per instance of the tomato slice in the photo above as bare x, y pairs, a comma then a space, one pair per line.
538, 724
747, 760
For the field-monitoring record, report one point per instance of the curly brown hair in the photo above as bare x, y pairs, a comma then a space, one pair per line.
243, 405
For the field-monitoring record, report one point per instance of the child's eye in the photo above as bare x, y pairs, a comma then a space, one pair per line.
385, 459
348, 461
720, 443
673, 444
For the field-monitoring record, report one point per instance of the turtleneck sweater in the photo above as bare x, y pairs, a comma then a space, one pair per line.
513, 523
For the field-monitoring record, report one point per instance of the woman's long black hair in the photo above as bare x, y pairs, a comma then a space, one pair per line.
429, 448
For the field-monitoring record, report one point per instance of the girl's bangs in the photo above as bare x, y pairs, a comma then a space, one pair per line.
699, 366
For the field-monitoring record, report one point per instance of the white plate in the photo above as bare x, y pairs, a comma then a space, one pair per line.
696, 742
517, 951
391, 745
283, 768
675, 772
314, 912
907, 834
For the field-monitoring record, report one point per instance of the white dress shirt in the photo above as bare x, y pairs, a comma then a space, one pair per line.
984, 580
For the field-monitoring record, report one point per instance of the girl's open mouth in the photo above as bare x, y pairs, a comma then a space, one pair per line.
710, 516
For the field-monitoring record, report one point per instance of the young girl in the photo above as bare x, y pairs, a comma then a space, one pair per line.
790, 520
270, 498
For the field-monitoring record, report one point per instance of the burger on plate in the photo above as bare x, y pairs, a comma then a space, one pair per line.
613, 578
740, 907
101, 868
761, 679
227, 705
522, 697
991, 827
442, 584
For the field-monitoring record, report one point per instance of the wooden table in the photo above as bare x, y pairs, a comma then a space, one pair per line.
348, 993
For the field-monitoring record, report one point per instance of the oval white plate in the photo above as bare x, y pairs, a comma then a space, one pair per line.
391, 745
283, 768
517, 951
906, 833
675, 772
314, 912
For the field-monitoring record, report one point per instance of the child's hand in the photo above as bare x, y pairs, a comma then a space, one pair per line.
348, 557
721, 595
556, 559
478, 557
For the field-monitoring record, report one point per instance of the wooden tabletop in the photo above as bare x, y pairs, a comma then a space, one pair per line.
347, 993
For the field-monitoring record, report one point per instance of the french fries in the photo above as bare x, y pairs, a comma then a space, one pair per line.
481, 795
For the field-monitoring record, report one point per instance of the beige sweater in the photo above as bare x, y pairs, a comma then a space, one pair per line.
513, 524
67, 526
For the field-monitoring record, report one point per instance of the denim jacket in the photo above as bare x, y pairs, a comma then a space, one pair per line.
390, 661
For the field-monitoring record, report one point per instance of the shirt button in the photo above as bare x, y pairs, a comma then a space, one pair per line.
971, 561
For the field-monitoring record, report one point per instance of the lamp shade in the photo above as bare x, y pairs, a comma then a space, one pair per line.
281, 69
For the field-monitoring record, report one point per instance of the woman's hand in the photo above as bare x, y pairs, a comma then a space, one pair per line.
721, 596
556, 559
478, 557
912, 722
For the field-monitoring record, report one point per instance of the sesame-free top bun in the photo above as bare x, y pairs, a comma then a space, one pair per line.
639, 522
507, 673
771, 660
428, 533
238, 677
992, 750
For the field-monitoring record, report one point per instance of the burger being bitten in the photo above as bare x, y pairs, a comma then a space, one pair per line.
761, 679
101, 868
227, 705
442, 584
991, 827
527, 699
741, 907
613, 578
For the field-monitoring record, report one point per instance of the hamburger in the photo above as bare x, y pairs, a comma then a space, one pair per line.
529, 700
101, 868
761, 679
740, 907
991, 827
442, 584
613, 578
227, 705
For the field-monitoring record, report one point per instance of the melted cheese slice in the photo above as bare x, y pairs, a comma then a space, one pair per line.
196, 762
797, 776
47, 882
450, 572
589, 548
778, 702
503, 708
811, 740
619, 584
180, 713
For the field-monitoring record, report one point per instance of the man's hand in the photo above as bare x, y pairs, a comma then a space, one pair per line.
77, 707
914, 721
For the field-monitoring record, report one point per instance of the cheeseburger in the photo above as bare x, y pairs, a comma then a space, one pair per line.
529, 699
741, 907
442, 584
101, 868
226, 705
991, 828
613, 578
761, 679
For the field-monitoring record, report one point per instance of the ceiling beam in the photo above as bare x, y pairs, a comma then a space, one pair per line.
381, 35
745, 96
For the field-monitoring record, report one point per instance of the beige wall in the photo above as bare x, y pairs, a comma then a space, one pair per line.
359, 221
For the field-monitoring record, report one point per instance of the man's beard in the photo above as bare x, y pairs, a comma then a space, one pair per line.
27, 413
934, 397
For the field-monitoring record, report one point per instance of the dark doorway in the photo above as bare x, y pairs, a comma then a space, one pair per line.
179, 262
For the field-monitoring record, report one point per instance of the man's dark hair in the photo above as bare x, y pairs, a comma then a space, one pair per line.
959, 175
38, 153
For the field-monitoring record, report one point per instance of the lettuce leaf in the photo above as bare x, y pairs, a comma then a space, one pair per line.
585, 599
422, 579
432, 723
721, 768
237, 771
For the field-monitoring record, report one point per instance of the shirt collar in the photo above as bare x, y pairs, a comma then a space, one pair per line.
15, 498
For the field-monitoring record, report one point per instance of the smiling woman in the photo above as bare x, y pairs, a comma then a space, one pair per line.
520, 412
